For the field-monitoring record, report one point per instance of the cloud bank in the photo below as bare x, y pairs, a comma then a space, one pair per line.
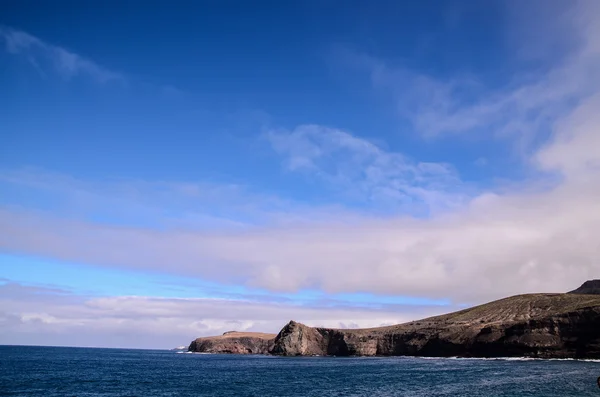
45, 316
467, 244
539, 237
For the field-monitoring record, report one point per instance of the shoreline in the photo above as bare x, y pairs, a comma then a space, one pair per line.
587, 360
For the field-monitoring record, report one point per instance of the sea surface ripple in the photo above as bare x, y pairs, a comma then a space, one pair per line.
60, 371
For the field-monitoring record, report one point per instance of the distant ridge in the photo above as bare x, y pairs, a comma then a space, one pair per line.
533, 325
590, 287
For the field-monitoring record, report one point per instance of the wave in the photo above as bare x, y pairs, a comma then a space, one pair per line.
589, 360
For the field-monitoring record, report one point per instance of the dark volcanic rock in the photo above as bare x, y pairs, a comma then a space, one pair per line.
534, 325
589, 287
537, 325
234, 342
297, 339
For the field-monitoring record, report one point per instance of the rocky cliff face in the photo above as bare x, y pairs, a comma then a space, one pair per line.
234, 343
540, 325
534, 325
591, 287
297, 339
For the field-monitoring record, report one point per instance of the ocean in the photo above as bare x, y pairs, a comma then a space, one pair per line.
63, 371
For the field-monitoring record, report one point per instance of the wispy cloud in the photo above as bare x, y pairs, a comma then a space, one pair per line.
44, 56
193, 204
520, 241
533, 238
573, 148
524, 108
367, 172
528, 238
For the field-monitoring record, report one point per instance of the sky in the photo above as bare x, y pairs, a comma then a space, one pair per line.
171, 170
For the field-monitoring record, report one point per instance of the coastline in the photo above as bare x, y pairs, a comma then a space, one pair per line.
531, 326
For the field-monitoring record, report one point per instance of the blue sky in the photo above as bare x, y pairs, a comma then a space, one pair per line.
342, 163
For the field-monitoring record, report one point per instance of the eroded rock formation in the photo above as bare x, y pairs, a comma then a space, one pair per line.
535, 325
589, 287
539, 325
234, 342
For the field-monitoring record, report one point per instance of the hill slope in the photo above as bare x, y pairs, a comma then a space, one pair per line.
539, 325
536, 325
589, 287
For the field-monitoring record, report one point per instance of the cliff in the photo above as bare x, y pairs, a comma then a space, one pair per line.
537, 325
534, 325
234, 342
589, 287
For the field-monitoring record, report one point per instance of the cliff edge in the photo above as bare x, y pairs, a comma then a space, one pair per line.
590, 287
234, 342
532, 325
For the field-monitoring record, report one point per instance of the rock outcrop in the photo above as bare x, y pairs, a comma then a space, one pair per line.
533, 325
537, 325
300, 340
234, 342
590, 287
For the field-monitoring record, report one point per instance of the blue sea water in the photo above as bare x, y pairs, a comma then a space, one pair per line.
62, 371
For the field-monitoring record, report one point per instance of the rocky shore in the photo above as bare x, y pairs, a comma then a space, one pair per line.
234, 343
533, 325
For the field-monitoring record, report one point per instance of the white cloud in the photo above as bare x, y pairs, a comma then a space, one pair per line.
30, 315
538, 239
530, 238
524, 107
66, 63
367, 172
574, 148
535, 238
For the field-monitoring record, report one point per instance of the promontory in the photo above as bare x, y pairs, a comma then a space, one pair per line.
533, 325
